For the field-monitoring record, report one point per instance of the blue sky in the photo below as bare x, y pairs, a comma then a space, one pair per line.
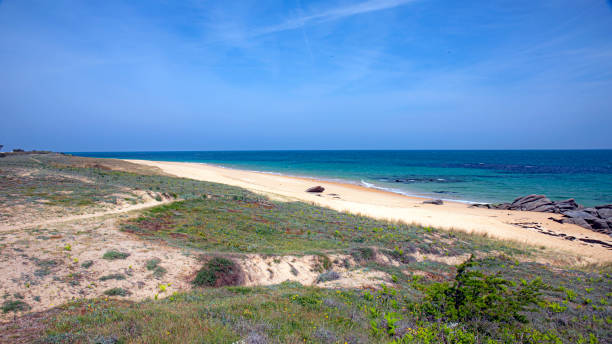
374, 74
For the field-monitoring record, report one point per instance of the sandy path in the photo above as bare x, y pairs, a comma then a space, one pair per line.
146, 204
501, 224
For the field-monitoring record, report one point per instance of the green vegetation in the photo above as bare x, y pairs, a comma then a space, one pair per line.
112, 255
112, 277
153, 265
117, 292
493, 299
87, 264
253, 224
14, 306
481, 303
218, 272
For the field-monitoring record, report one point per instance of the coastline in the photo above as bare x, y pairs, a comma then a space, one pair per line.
517, 226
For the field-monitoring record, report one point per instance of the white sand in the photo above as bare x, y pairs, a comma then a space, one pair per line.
499, 224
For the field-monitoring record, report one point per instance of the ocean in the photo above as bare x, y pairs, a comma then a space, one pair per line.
470, 176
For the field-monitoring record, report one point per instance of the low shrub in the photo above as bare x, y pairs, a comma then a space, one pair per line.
87, 264
14, 306
117, 292
330, 275
218, 272
113, 255
112, 276
478, 296
363, 254
153, 265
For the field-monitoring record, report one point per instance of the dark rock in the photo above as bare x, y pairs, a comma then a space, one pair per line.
598, 224
605, 213
556, 220
545, 208
317, 188
434, 201
578, 221
527, 199
568, 204
579, 214
603, 206
591, 211
539, 203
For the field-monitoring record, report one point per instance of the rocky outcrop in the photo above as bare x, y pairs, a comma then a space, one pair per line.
598, 219
539, 203
317, 189
434, 201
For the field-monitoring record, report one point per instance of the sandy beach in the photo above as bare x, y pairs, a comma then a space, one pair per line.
523, 227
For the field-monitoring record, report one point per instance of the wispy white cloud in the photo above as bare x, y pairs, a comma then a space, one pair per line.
333, 14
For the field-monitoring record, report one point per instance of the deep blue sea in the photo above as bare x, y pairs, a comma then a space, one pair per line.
473, 176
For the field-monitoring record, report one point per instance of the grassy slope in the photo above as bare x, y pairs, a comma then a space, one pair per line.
574, 307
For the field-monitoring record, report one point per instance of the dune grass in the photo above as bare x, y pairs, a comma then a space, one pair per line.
571, 305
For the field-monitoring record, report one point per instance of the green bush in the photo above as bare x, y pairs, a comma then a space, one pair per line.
218, 272
117, 292
112, 276
478, 296
113, 255
14, 306
87, 264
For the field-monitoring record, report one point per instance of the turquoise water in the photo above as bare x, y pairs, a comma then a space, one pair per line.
473, 176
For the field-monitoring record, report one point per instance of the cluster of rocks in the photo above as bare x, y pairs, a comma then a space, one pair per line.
598, 219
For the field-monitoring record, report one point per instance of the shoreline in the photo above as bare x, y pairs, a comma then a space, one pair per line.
361, 183
531, 228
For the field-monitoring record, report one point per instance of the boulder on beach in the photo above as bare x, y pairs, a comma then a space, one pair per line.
605, 211
317, 189
434, 201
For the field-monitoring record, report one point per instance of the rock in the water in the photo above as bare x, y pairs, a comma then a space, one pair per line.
317, 189
434, 201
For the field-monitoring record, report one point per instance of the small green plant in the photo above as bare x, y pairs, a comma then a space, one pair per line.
323, 263
87, 264
14, 306
112, 276
113, 255
363, 254
117, 292
153, 265
328, 276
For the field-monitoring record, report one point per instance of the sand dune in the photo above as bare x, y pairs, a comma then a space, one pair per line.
502, 224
